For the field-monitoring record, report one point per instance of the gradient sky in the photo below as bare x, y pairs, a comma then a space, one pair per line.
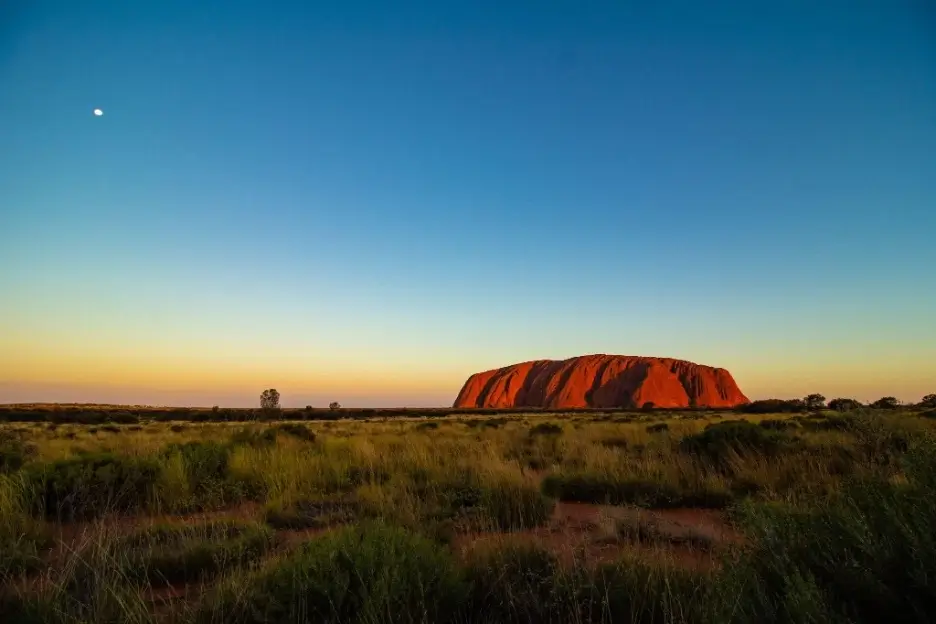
368, 201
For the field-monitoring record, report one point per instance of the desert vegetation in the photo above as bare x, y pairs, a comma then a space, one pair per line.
807, 512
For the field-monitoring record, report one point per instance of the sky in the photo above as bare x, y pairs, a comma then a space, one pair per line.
367, 202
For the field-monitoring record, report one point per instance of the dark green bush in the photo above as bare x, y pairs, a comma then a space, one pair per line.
253, 437
14, 451
773, 406
614, 443
546, 429
297, 430
775, 424
719, 440
371, 573
90, 486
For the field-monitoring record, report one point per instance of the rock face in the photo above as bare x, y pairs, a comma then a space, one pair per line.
602, 381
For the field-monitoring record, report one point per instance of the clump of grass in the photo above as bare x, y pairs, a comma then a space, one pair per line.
546, 429
523, 582
371, 573
646, 530
253, 437
14, 451
22, 539
311, 514
867, 554
90, 486
517, 582
297, 430
510, 504
776, 424
613, 490
657, 428
616, 442
719, 441
427, 426
172, 553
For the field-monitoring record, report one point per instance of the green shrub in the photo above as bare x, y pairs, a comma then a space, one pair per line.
252, 437
614, 443
371, 573
14, 451
775, 424
297, 430
90, 486
719, 440
546, 429
206, 463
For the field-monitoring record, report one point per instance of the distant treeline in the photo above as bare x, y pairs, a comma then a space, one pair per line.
97, 414
132, 415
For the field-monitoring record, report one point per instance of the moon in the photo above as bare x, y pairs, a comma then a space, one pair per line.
98, 112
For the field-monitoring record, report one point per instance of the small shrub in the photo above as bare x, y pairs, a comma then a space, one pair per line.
427, 426
657, 428
255, 438
125, 418
773, 406
177, 428
546, 429
774, 424
614, 443
14, 452
297, 430
833, 423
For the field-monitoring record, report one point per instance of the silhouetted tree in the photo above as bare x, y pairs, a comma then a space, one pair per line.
334, 405
270, 399
928, 401
844, 405
886, 403
814, 402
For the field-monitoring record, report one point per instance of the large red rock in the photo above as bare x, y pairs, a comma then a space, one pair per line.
606, 381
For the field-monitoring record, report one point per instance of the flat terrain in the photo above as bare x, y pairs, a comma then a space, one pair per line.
133, 516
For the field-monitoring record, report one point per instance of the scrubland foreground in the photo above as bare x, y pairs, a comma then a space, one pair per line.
820, 517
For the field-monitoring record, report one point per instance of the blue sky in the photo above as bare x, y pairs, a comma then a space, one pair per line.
367, 202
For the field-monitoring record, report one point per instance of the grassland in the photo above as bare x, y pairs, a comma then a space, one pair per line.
136, 516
